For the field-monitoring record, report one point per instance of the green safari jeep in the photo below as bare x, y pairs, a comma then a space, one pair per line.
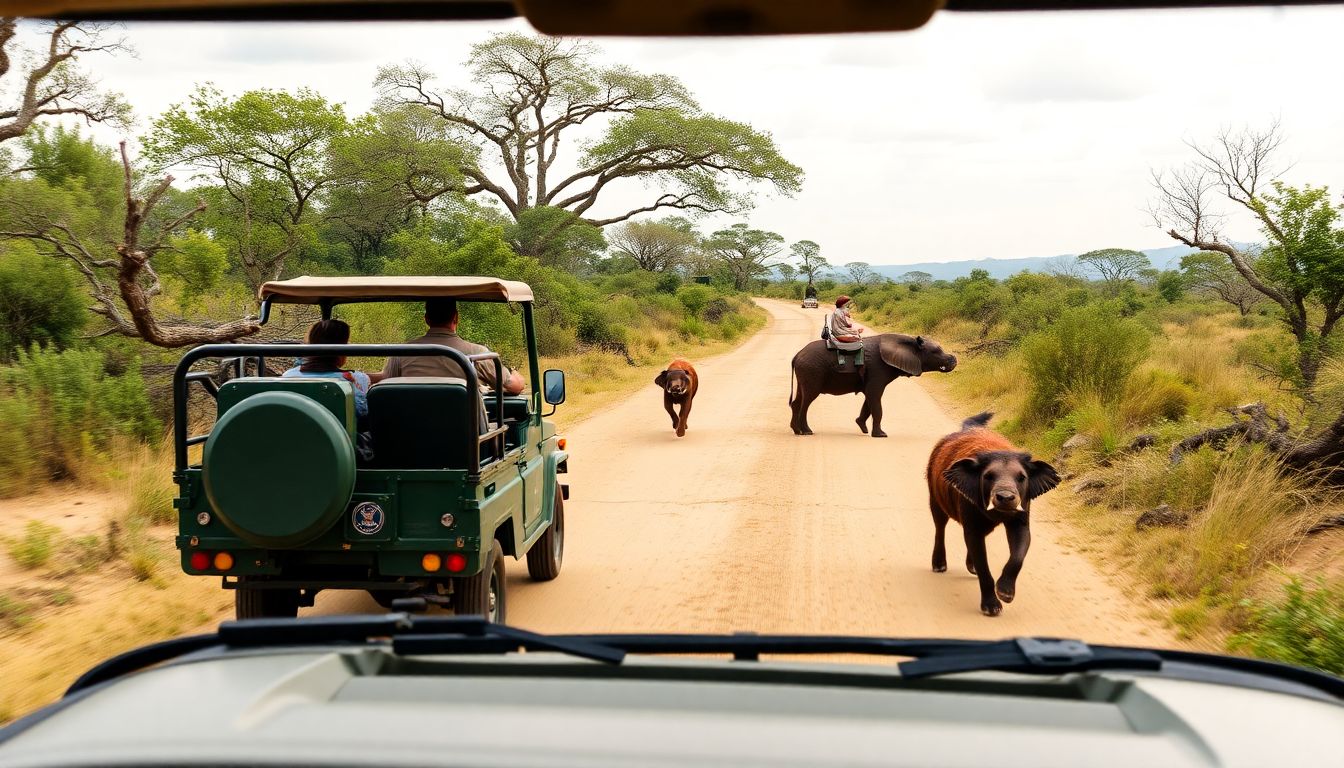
448, 478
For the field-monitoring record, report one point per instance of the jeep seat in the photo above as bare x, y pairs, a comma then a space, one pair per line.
418, 422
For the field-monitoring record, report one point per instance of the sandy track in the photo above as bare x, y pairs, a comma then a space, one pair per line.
741, 525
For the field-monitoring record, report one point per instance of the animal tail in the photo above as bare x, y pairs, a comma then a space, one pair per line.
791, 372
978, 420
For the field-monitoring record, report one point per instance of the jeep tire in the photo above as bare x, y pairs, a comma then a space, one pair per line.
265, 603
483, 594
548, 553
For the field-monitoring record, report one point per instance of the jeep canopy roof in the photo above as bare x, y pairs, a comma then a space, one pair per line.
346, 290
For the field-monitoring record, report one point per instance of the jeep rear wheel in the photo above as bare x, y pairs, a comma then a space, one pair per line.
265, 603
482, 594
548, 554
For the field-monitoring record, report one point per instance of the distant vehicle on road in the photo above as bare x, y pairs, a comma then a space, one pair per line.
810, 302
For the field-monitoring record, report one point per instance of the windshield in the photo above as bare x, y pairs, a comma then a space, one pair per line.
1080, 275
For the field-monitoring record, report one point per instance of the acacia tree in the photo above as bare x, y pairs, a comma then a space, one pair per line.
535, 96
1301, 269
915, 277
787, 272
268, 154
747, 253
120, 275
48, 82
387, 171
860, 273
655, 246
1116, 265
810, 262
1213, 274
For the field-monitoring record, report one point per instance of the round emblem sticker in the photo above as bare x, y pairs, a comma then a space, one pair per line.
367, 518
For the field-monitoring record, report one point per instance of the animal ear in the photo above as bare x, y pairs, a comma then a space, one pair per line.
1041, 477
898, 351
919, 342
964, 476
661, 380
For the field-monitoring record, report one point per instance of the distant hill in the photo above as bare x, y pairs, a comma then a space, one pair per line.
1162, 258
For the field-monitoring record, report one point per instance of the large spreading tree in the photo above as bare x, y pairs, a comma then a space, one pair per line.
555, 128
747, 253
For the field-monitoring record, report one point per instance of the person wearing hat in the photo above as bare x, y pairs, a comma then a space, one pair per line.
843, 327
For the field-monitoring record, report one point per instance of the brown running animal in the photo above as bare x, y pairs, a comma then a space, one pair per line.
980, 479
679, 384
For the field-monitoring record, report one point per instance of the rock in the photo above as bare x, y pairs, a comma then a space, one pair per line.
1073, 444
1163, 516
1089, 483
1139, 443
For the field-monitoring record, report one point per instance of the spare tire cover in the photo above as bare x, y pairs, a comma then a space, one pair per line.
279, 469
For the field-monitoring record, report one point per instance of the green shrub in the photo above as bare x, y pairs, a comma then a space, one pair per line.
695, 298
14, 613
34, 548
40, 300
1304, 626
74, 410
1091, 350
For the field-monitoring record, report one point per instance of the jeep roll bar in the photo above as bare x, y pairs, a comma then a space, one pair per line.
183, 376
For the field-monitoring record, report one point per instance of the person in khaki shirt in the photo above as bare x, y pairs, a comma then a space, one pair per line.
441, 317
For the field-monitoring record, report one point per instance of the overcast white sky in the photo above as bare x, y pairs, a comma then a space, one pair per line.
978, 136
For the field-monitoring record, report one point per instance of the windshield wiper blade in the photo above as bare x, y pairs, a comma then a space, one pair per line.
1029, 655
411, 635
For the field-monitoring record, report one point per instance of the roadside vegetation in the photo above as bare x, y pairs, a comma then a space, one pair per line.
1199, 423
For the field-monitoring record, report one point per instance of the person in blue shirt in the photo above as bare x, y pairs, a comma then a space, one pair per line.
333, 332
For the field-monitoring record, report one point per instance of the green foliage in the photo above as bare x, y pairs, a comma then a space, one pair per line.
1116, 265
746, 252
40, 300
196, 260
1170, 285
14, 612
1091, 350
695, 298
34, 548
556, 238
1303, 626
63, 411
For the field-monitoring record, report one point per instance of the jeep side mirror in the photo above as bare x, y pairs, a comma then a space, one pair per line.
553, 386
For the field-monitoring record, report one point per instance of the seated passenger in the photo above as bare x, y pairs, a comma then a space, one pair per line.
843, 327
441, 317
334, 332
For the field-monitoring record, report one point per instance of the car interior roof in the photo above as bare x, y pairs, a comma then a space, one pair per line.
585, 17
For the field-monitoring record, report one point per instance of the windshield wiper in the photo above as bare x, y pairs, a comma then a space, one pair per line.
411, 635
1029, 655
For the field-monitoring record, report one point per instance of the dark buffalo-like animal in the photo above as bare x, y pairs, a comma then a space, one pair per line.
680, 383
886, 357
980, 479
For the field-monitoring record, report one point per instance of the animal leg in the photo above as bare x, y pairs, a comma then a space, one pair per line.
975, 550
667, 403
862, 421
873, 402
1019, 540
685, 412
803, 405
939, 542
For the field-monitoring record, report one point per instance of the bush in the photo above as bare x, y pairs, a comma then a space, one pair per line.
1155, 396
695, 298
40, 300
1091, 350
69, 410
1304, 626
35, 547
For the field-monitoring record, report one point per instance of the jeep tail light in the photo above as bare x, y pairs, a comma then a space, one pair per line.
200, 561
457, 562
431, 562
223, 561
561, 442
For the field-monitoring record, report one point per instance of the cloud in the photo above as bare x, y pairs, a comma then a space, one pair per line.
1070, 74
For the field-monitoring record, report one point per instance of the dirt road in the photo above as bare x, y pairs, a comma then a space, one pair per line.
741, 525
